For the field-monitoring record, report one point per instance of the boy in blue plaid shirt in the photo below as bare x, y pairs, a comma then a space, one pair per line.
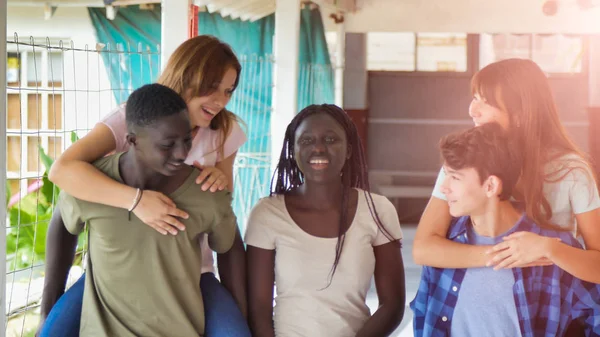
482, 168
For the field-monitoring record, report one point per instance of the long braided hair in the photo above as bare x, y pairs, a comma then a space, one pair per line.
287, 175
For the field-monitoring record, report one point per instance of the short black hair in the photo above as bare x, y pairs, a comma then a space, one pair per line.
150, 103
489, 149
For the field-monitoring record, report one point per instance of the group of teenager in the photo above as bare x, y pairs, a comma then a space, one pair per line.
510, 239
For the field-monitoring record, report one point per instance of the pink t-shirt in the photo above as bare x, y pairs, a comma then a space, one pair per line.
203, 150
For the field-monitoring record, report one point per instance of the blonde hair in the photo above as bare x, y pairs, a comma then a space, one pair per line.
194, 68
520, 88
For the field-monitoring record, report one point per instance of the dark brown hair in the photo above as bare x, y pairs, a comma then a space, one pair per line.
520, 88
487, 149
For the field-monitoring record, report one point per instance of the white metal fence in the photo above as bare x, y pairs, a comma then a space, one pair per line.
56, 92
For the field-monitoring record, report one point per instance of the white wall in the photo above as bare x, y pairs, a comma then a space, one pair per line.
83, 70
470, 16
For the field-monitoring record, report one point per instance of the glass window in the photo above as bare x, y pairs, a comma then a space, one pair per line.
391, 51
558, 53
442, 52
554, 53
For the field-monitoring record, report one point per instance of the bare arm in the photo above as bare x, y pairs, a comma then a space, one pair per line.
432, 248
226, 166
60, 251
73, 170
522, 249
580, 263
232, 270
260, 291
390, 283
217, 178
74, 173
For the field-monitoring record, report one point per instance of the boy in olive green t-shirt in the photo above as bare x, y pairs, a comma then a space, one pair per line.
139, 282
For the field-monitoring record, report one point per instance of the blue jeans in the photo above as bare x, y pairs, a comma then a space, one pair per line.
222, 315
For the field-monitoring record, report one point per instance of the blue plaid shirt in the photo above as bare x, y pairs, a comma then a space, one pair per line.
547, 298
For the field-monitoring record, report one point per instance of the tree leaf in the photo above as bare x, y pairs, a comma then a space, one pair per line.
74, 137
31, 203
49, 190
8, 193
19, 216
45, 159
40, 235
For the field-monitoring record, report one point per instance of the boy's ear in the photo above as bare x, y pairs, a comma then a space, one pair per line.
131, 139
493, 186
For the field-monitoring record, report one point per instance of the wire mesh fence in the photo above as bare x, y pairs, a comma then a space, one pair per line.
56, 93
252, 103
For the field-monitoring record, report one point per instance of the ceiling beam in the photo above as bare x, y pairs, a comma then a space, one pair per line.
217, 5
263, 13
250, 7
76, 3
345, 6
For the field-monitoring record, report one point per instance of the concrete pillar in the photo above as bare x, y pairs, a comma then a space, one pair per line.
174, 27
3, 182
339, 63
594, 99
356, 79
285, 75
355, 74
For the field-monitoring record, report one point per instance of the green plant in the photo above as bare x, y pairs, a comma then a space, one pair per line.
8, 194
29, 219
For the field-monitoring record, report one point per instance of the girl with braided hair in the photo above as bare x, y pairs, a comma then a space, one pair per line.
321, 236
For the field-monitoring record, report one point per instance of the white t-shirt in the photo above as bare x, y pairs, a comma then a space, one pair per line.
203, 150
575, 193
305, 306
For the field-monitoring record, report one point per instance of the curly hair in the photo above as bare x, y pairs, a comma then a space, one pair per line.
150, 103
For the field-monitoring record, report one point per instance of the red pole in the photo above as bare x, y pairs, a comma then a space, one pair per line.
193, 21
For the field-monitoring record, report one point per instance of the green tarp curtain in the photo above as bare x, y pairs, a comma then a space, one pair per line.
253, 43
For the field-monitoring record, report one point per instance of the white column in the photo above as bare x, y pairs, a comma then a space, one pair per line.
340, 58
174, 27
356, 77
285, 73
3, 64
594, 71
594, 98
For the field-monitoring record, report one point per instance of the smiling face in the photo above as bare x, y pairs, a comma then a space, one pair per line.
482, 112
163, 145
320, 148
464, 191
467, 194
203, 109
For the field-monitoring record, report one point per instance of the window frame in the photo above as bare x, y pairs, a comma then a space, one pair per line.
46, 92
472, 62
558, 75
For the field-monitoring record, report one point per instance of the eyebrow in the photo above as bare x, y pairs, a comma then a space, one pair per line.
451, 171
220, 82
326, 131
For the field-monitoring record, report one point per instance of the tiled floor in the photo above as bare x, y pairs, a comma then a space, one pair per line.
412, 273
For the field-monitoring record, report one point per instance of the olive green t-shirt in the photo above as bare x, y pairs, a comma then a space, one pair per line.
140, 282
